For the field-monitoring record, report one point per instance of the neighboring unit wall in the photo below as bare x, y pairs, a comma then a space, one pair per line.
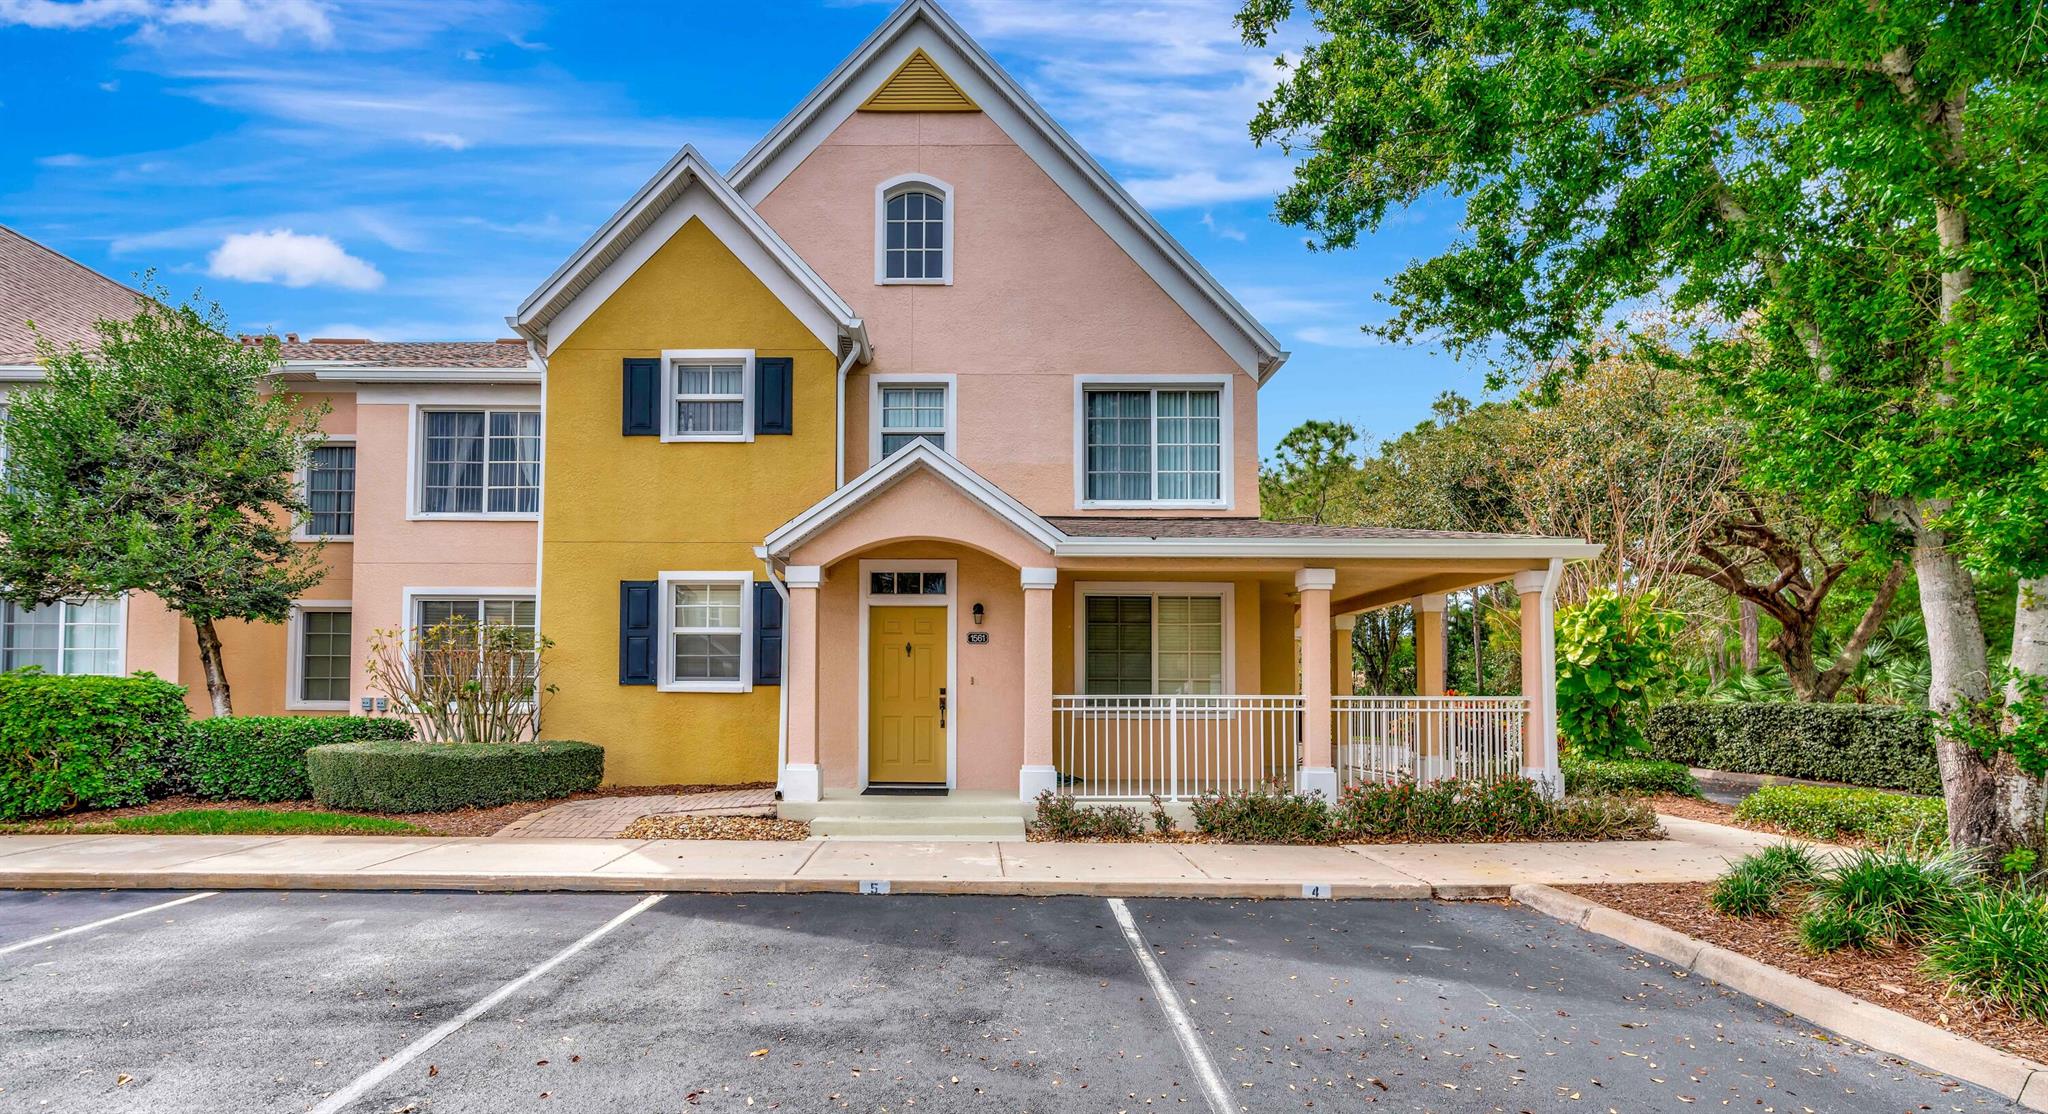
623, 508
1039, 295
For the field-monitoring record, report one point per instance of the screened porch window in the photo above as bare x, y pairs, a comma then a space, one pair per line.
1138, 645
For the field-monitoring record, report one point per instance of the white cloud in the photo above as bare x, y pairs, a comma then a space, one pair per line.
281, 255
264, 22
1225, 231
449, 140
1337, 336
67, 159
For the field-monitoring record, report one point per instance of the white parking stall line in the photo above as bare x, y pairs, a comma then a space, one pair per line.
103, 922
1176, 1015
366, 1082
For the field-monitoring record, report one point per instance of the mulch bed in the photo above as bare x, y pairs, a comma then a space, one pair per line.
687, 826
460, 822
1892, 979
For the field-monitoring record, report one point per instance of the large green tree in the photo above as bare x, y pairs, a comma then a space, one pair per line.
161, 460
1848, 198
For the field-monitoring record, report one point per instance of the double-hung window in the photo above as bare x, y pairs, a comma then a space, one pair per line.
912, 412
68, 636
710, 396
1153, 445
707, 617
480, 462
1138, 641
331, 492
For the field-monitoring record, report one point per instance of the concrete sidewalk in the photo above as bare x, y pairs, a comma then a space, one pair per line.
1695, 851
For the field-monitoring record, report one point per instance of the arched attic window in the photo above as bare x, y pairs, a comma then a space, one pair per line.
914, 231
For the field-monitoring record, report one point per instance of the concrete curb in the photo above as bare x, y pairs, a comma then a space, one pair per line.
2013, 1077
586, 882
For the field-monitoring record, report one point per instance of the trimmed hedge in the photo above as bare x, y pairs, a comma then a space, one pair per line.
83, 742
1869, 815
263, 758
437, 777
1608, 777
1861, 744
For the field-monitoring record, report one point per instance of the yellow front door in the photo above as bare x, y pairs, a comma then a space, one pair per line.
907, 694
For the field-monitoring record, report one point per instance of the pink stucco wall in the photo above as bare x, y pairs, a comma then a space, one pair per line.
1040, 294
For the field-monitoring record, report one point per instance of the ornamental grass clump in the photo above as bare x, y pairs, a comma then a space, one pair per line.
1755, 885
1875, 899
1993, 945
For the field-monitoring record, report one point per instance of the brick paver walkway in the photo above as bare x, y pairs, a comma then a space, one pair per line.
602, 817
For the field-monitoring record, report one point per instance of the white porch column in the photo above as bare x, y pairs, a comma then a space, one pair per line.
799, 780
1037, 774
1431, 763
1343, 681
1538, 589
1318, 772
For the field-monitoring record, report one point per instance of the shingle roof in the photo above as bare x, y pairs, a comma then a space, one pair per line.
1217, 527
407, 353
61, 296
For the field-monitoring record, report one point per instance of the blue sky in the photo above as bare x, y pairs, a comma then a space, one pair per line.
412, 170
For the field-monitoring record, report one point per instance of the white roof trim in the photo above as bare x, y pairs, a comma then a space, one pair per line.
922, 23
551, 312
1506, 548
917, 456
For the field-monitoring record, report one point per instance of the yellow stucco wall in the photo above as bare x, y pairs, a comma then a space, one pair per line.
629, 508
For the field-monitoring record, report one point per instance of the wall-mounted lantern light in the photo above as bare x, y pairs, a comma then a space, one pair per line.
979, 614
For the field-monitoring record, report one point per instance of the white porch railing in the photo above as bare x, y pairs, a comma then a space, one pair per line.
1427, 738
1179, 747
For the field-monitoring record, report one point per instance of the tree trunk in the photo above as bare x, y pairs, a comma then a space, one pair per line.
1747, 615
2026, 796
215, 669
1978, 812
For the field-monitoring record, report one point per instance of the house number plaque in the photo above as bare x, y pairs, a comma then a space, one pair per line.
977, 638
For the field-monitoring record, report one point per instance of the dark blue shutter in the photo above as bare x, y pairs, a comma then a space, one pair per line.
774, 395
767, 634
641, 415
639, 618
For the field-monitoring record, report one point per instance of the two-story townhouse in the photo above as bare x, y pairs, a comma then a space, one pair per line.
912, 456
909, 456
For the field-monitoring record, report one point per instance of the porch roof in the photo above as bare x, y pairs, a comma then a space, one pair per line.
1079, 537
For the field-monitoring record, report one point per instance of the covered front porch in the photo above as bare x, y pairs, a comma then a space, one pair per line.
942, 639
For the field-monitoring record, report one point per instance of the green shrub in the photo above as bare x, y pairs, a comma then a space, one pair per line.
1874, 899
1509, 808
1993, 945
1866, 815
1626, 775
263, 758
83, 742
1754, 885
1264, 814
401, 777
1061, 817
1861, 744
1613, 653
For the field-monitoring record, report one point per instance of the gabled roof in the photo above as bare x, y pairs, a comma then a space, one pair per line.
687, 186
918, 456
923, 25
62, 296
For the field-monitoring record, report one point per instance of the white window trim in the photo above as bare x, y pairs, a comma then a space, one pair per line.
1226, 444
951, 385
952, 217
671, 356
956, 693
415, 459
411, 598
120, 640
295, 660
666, 584
1155, 589
299, 531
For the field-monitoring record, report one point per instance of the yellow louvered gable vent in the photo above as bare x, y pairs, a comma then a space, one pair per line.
919, 85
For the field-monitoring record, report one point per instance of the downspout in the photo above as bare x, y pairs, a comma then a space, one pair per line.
839, 421
782, 690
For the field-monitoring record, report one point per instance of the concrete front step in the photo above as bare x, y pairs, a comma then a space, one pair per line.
842, 825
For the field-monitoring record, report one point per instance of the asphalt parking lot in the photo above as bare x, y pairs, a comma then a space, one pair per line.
381, 1002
